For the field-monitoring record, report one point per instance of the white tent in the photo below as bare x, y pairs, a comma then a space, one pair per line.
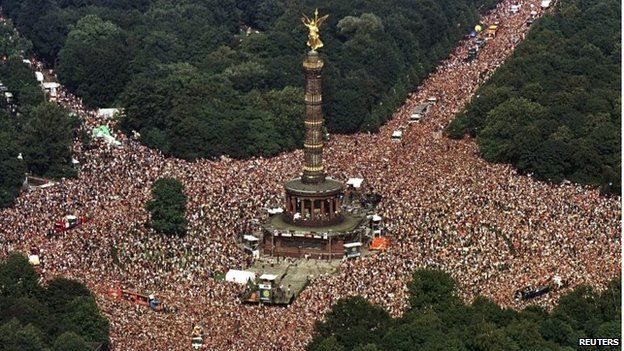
275, 210
350, 245
355, 182
240, 277
51, 87
250, 237
34, 260
397, 134
269, 277
108, 112
376, 218
39, 77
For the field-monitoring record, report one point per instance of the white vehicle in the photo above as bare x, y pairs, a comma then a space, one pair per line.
545, 4
397, 135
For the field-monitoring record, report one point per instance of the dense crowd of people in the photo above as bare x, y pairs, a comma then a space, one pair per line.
443, 207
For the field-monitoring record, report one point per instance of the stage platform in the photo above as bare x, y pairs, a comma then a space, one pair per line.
296, 273
349, 224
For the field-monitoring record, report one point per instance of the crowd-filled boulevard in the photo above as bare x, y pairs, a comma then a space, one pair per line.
444, 207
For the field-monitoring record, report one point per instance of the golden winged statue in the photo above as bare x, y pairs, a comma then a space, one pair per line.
313, 24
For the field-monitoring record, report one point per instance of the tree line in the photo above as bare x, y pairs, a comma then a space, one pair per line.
35, 135
554, 108
439, 320
207, 78
61, 316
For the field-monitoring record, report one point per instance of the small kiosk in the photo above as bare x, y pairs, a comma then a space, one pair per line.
375, 225
353, 250
251, 244
267, 282
379, 241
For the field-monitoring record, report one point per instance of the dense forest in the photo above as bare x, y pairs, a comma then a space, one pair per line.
554, 108
439, 321
205, 78
38, 132
61, 316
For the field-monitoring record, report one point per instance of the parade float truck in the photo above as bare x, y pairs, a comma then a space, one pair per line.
136, 298
70, 222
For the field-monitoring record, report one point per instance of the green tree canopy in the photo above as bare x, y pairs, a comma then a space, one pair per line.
195, 76
553, 109
46, 140
18, 278
167, 207
439, 321
352, 322
94, 61
61, 316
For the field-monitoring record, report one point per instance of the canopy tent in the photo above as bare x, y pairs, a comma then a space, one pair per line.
51, 87
34, 260
250, 237
240, 277
269, 277
350, 245
104, 133
355, 182
376, 218
100, 131
39, 77
108, 112
379, 243
275, 210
